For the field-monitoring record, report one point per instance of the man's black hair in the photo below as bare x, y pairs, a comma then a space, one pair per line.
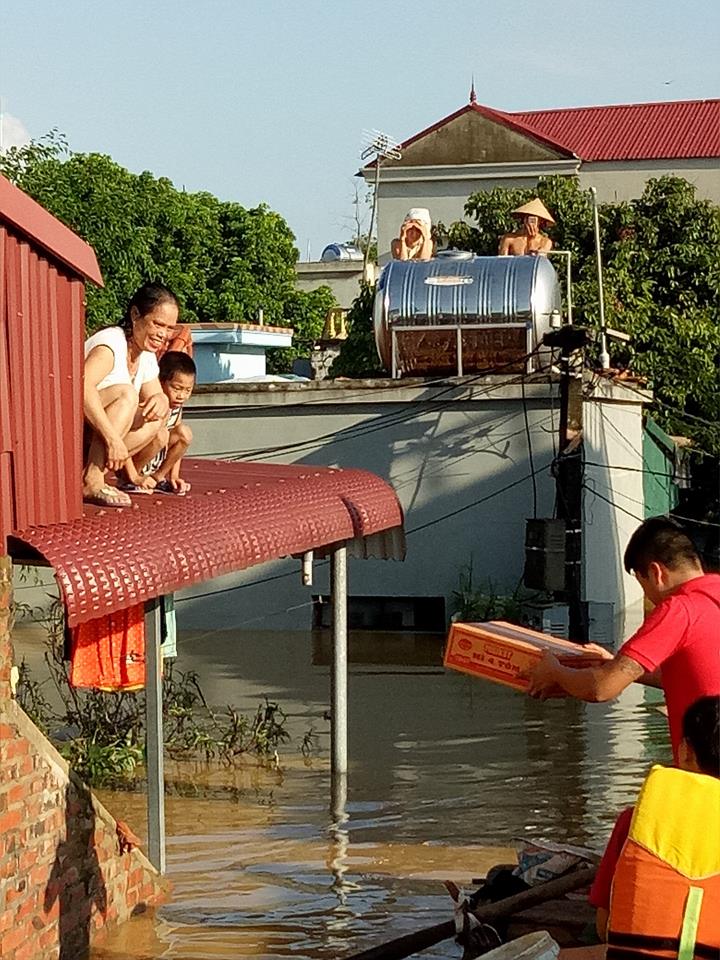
701, 729
660, 540
175, 361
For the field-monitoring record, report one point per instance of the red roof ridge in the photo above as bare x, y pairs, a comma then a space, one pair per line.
33, 220
506, 119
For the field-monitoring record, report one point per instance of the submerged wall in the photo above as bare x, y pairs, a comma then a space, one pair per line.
63, 876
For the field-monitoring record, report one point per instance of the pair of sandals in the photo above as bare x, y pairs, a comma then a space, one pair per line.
108, 496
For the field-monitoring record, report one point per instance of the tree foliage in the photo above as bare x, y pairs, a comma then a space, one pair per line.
358, 355
661, 283
224, 261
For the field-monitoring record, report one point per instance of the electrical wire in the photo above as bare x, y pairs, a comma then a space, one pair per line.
476, 503
410, 410
529, 446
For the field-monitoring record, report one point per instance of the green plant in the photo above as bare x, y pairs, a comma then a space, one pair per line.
478, 602
101, 734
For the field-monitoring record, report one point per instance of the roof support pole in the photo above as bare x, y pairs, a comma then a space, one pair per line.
154, 735
338, 726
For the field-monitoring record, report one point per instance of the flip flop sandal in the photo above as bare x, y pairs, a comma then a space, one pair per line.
164, 486
108, 497
134, 488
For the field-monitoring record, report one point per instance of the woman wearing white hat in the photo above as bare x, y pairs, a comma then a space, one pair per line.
415, 240
528, 240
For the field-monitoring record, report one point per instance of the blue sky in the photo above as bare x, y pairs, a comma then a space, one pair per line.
266, 100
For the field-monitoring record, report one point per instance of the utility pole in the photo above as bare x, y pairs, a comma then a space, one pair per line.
569, 472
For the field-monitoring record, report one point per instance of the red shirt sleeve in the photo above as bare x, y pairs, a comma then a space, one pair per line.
600, 890
660, 635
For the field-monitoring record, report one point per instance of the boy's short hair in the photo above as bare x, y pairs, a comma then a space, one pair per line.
174, 362
660, 540
701, 729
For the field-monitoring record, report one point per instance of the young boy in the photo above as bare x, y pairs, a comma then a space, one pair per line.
161, 474
699, 752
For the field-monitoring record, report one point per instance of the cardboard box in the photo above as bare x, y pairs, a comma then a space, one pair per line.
504, 653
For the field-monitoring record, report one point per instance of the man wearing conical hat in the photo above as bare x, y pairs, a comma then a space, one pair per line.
528, 240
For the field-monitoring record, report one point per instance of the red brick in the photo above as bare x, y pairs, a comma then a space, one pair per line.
28, 951
9, 820
17, 748
17, 793
28, 908
12, 940
7, 732
48, 937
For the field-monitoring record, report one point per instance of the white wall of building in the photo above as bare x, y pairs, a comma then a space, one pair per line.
624, 181
613, 503
443, 448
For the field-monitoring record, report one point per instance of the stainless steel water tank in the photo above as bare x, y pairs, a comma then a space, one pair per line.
341, 251
493, 311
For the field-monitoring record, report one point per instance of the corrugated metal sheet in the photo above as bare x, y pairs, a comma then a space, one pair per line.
681, 129
41, 329
45, 232
237, 515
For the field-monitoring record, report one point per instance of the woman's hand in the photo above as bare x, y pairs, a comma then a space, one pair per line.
116, 453
156, 407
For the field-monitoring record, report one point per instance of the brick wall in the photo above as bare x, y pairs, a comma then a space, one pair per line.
63, 878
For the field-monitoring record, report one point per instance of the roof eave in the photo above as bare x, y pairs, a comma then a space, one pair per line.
30, 218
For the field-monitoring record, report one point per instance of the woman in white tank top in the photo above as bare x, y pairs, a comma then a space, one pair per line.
124, 405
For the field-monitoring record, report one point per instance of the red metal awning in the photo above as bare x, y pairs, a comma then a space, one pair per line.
236, 516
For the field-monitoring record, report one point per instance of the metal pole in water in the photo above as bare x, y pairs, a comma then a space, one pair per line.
338, 725
154, 736
604, 355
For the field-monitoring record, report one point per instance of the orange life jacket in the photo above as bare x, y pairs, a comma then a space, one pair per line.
665, 900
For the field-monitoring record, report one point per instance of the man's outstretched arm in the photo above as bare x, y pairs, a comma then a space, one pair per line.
592, 684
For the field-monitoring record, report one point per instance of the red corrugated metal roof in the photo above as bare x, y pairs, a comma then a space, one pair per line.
237, 515
681, 129
42, 321
35, 223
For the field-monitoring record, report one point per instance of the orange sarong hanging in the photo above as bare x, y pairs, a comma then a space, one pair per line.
108, 653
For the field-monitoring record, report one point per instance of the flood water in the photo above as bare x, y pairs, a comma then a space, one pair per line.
445, 772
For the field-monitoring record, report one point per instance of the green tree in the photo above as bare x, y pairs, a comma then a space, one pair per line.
358, 355
661, 283
224, 262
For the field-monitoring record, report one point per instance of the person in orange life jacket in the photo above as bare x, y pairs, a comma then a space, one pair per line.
699, 752
677, 647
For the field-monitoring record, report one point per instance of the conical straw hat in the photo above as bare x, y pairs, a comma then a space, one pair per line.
535, 208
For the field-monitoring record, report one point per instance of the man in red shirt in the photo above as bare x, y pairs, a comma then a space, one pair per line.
677, 647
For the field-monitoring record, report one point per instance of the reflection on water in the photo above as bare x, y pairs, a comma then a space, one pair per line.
445, 772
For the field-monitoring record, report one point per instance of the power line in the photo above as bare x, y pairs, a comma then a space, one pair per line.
413, 408
476, 503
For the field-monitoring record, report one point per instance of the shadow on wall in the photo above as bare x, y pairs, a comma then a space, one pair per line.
212, 365
76, 880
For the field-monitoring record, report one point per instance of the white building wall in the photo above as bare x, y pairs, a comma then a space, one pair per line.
624, 181
613, 504
444, 448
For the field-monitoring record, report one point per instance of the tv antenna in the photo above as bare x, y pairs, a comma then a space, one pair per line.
382, 147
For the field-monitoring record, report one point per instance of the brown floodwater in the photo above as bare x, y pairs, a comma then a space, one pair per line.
446, 771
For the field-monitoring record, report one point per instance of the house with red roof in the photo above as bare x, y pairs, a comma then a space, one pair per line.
617, 149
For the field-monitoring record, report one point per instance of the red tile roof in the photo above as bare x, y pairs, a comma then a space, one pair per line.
633, 131
237, 515
680, 129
